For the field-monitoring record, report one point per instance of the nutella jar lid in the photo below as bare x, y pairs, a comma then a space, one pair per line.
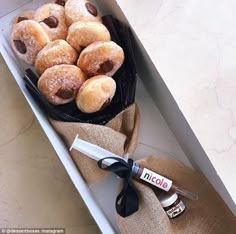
167, 199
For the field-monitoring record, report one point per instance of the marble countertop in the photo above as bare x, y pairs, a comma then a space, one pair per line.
35, 189
193, 46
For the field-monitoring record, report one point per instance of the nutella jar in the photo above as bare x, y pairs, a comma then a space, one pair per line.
172, 204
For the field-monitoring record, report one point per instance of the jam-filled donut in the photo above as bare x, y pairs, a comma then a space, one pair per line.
101, 58
60, 83
27, 39
25, 15
81, 10
96, 93
81, 34
55, 53
52, 18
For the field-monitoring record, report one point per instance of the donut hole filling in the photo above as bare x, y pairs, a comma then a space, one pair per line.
20, 46
65, 93
51, 22
91, 9
21, 18
105, 67
61, 2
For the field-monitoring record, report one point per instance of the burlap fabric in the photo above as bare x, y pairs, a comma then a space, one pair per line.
120, 136
207, 215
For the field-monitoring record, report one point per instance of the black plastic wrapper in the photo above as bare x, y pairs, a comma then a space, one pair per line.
125, 79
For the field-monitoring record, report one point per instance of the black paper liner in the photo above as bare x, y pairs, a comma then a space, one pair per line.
125, 79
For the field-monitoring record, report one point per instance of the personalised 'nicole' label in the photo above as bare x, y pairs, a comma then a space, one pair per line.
156, 179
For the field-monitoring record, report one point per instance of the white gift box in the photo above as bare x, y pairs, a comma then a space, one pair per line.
155, 138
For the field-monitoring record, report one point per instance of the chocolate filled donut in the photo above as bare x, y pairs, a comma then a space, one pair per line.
51, 17
101, 58
27, 39
82, 33
60, 83
55, 53
81, 10
96, 93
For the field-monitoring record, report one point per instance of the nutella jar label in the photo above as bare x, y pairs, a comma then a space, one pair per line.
176, 210
156, 179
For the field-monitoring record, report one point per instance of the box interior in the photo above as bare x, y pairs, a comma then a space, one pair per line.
155, 137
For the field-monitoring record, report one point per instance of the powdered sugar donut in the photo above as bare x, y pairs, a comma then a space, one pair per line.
95, 93
60, 83
27, 39
51, 17
55, 53
81, 34
81, 10
101, 58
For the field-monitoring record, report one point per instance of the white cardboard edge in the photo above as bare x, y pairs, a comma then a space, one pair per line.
63, 154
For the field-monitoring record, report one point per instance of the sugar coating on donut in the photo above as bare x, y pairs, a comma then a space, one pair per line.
95, 93
25, 15
101, 58
52, 18
81, 34
81, 10
55, 53
27, 39
60, 83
